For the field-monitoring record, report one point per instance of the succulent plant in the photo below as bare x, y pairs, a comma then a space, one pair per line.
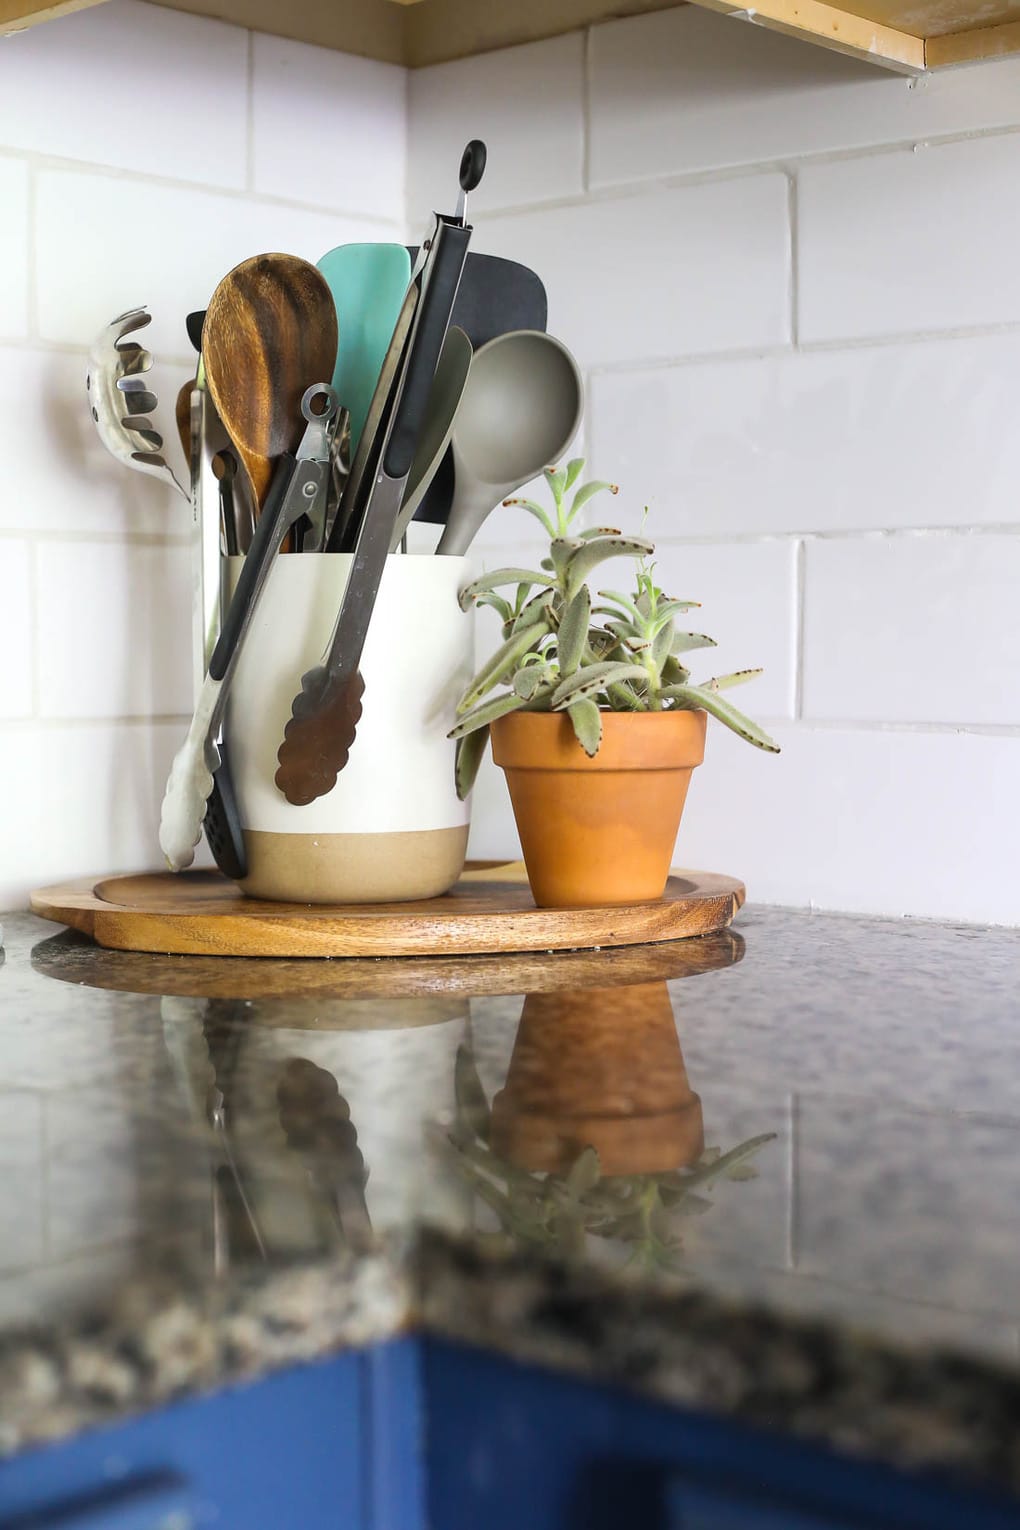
563, 652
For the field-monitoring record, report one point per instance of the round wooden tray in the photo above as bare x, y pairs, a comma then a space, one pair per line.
490, 910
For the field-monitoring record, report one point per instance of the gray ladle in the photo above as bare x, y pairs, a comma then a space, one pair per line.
520, 411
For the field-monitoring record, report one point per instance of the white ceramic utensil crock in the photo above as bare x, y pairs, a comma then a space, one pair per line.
392, 829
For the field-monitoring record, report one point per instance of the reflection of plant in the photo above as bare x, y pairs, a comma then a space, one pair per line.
556, 1212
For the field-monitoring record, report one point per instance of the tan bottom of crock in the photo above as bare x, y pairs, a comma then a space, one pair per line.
353, 868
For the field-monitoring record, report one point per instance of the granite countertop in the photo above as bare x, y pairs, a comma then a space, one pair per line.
773, 1173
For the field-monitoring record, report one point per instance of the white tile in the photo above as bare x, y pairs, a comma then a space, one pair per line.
21, 1205
917, 628
884, 436
880, 822
910, 241
748, 604
114, 629
329, 128
80, 800
62, 477
135, 86
524, 103
685, 90
191, 240
13, 249
16, 637
679, 272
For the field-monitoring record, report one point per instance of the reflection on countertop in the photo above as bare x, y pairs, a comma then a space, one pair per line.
774, 1171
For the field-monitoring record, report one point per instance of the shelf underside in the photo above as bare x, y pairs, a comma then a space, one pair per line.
909, 36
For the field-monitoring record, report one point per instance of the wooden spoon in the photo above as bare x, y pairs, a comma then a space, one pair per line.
270, 331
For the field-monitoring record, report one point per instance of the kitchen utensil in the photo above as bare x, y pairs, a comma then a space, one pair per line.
121, 401
270, 330
193, 324
520, 411
437, 427
489, 910
297, 481
495, 296
368, 282
311, 533
325, 713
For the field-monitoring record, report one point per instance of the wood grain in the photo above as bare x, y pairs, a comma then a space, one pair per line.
201, 913
270, 332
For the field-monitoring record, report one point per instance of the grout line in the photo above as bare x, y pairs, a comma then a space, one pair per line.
249, 115
793, 1209
947, 729
123, 720
587, 54
102, 538
34, 636
794, 230
798, 629
839, 534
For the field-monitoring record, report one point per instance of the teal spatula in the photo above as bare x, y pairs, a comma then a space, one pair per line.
368, 282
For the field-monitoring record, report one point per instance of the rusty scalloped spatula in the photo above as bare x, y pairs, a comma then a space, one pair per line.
269, 332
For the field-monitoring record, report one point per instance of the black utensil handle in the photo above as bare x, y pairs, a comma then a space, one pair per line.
472, 165
266, 528
193, 324
427, 341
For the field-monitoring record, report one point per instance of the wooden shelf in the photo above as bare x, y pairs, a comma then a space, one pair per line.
909, 36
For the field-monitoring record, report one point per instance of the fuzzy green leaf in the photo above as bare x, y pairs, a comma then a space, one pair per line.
686, 642
561, 550
528, 680
598, 531
592, 679
585, 1173
499, 576
695, 696
662, 646
487, 712
586, 720
556, 478
573, 631
624, 699
588, 491
538, 511
591, 554
724, 682
470, 753
674, 673
534, 610
573, 473
498, 603
503, 662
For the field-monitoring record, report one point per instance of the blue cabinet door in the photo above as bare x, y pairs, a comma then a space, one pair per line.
284, 1451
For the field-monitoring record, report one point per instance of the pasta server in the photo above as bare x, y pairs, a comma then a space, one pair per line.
121, 401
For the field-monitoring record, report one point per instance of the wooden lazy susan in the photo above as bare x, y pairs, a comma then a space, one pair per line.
490, 910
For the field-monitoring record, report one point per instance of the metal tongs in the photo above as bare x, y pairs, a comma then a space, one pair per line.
326, 711
299, 486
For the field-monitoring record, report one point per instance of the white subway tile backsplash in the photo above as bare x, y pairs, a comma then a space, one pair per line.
525, 103
909, 241
684, 91
13, 249
884, 436
913, 629
670, 273
106, 244
16, 637
869, 820
80, 800
134, 86
58, 476
114, 629
329, 128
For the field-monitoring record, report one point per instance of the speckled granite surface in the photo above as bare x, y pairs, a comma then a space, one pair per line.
776, 1174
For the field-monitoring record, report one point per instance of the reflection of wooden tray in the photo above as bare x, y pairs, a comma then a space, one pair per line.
489, 910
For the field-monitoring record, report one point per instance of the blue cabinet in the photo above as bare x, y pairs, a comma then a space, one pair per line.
421, 1433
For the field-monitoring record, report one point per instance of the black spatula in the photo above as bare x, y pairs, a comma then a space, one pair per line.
495, 296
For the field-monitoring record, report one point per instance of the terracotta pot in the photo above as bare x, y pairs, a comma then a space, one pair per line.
598, 831
600, 1068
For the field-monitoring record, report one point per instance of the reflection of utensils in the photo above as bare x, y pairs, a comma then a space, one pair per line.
495, 296
325, 713
317, 1122
437, 427
297, 482
368, 283
269, 331
236, 1233
520, 411
121, 401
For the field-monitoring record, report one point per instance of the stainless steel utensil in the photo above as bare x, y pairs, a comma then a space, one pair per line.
297, 482
520, 411
326, 711
121, 401
437, 427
